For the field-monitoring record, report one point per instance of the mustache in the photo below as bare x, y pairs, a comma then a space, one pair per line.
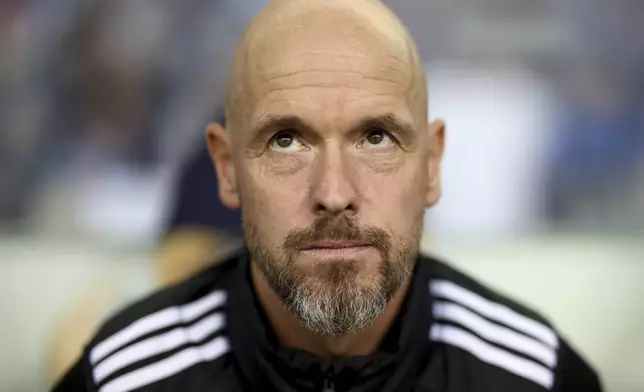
337, 228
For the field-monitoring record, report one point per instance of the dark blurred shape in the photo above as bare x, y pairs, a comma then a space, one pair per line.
196, 202
200, 228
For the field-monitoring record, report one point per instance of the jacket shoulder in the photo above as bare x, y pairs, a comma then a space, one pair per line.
504, 343
444, 271
164, 334
190, 297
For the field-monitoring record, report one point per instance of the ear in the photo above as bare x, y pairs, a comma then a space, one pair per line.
435, 157
220, 148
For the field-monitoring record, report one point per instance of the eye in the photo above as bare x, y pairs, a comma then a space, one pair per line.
285, 142
379, 139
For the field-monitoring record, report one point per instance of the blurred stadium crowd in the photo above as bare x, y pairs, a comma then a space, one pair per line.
103, 103
93, 91
90, 88
97, 90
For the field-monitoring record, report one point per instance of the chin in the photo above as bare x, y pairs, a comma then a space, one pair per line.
346, 272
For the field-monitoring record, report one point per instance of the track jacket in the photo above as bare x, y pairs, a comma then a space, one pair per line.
209, 334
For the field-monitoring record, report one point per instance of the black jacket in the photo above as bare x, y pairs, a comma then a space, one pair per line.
210, 334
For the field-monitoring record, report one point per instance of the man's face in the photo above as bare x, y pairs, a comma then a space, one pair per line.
332, 170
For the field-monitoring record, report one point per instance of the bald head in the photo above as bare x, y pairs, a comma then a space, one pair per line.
328, 141
293, 36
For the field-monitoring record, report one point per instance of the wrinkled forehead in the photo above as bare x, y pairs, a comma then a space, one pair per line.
294, 45
330, 61
329, 51
327, 29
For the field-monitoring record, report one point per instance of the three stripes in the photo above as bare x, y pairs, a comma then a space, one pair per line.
116, 352
475, 324
486, 322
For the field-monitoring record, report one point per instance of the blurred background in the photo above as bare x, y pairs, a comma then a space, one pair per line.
103, 107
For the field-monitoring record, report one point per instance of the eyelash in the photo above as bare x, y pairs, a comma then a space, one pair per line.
277, 134
391, 135
298, 135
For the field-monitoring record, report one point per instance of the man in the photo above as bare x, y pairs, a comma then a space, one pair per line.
330, 157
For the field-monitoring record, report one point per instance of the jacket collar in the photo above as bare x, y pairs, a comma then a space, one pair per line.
265, 365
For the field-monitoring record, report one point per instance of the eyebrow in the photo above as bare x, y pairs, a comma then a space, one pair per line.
387, 122
390, 123
270, 124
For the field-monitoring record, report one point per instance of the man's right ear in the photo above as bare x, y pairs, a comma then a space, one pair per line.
220, 148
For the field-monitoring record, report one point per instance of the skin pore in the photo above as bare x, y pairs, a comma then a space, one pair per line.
330, 157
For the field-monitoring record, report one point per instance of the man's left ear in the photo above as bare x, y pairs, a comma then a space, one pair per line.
436, 131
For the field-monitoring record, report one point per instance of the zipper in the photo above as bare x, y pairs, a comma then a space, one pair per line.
329, 386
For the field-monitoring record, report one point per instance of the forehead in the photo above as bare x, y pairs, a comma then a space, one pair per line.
329, 64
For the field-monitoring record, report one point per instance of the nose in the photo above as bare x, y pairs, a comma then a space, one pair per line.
333, 190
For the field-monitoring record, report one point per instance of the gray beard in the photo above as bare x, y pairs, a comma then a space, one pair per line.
327, 300
334, 309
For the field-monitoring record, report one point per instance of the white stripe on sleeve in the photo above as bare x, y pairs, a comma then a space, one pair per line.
494, 311
493, 355
169, 366
495, 333
155, 321
158, 344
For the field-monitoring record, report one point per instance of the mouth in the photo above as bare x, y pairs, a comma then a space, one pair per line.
333, 245
335, 250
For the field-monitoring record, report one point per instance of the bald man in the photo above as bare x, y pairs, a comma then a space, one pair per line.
329, 154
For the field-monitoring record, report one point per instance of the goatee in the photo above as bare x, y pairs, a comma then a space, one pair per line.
325, 297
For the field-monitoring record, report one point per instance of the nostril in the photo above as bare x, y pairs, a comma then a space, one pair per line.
349, 210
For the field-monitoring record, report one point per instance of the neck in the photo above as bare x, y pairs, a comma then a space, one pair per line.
291, 334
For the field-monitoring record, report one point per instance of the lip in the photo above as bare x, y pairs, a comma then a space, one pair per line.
331, 245
336, 250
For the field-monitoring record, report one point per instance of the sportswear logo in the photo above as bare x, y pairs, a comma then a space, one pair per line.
158, 344
117, 352
494, 356
525, 336
494, 311
155, 321
495, 333
169, 366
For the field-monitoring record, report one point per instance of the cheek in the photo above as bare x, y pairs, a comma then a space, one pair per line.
380, 163
284, 167
395, 196
269, 202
